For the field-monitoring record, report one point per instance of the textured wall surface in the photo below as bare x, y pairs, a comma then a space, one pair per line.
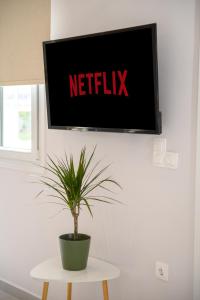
156, 222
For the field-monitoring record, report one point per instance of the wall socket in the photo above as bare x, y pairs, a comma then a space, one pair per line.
162, 270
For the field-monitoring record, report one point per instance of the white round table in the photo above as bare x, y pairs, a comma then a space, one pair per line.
97, 270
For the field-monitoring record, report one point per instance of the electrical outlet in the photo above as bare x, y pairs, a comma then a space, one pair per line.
162, 271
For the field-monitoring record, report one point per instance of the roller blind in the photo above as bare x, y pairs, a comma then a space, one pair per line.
24, 25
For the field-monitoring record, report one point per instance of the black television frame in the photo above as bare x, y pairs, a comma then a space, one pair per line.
158, 116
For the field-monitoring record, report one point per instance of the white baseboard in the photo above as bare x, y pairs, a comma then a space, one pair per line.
17, 291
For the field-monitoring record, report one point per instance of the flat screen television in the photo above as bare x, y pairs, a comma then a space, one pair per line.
105, 81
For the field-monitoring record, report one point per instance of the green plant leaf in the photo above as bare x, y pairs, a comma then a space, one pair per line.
88, 206
76, 187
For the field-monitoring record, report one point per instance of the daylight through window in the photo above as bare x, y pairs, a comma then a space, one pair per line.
18, 117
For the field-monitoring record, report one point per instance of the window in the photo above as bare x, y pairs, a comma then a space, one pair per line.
19, 122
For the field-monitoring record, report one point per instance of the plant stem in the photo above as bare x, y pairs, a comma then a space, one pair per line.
75, 226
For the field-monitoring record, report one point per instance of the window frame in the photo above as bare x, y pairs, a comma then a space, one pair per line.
14, 157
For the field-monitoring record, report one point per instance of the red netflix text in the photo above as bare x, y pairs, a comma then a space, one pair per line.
97, 83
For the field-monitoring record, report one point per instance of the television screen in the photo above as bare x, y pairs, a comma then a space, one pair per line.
106, 81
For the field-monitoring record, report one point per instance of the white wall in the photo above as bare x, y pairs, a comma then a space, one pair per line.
156, 222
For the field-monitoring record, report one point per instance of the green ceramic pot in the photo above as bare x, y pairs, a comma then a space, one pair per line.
74, 253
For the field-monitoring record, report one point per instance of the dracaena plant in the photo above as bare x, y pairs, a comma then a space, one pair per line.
76, 187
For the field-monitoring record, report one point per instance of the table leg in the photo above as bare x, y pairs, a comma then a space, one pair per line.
69, 291
45, 290
105, 290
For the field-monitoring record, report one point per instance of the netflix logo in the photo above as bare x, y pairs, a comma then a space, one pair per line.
98, 83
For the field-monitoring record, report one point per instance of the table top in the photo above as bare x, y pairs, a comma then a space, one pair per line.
97, 270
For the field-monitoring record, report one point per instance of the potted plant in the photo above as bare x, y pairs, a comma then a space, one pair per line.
75, 187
